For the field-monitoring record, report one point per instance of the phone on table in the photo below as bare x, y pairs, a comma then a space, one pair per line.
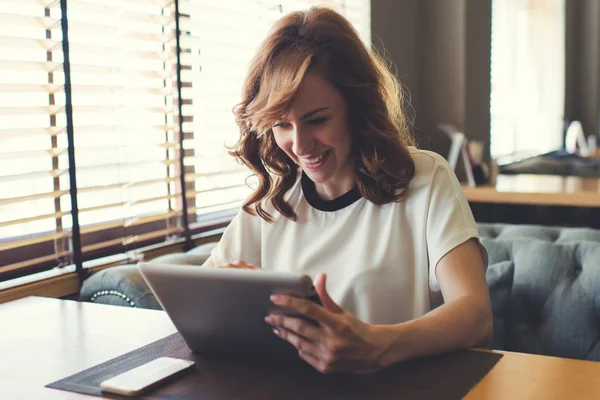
145, 377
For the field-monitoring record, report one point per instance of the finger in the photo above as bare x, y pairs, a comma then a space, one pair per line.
305, 307
242, 265
328, 303
296, 325
300, 343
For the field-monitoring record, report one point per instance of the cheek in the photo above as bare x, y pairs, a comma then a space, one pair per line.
283, 143
341, 138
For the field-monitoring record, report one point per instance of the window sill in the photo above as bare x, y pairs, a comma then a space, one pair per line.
65, 282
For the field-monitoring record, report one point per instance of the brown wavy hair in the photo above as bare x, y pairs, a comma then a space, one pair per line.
322, 39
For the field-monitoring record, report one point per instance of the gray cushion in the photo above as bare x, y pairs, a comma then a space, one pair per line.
124, 286
554, 305
499, 277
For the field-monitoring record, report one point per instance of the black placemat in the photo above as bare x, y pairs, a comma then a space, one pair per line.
446, 376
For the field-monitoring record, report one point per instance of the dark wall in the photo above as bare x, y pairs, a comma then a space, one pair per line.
394, 33
441, 50
582, 91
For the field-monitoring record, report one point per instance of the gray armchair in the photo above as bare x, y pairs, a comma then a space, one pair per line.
544, 285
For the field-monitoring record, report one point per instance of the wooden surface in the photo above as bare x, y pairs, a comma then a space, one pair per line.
527, 376
547, 190
43, 340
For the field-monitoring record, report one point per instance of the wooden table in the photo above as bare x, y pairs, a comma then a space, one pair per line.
546, 190
43, 340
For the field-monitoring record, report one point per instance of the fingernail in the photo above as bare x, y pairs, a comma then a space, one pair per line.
276, 331
269, 319
275, 298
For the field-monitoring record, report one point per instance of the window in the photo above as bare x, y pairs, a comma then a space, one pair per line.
35, 218
528, 67
222, 38
129, 119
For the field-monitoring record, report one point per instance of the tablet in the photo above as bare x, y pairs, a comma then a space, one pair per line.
223, 310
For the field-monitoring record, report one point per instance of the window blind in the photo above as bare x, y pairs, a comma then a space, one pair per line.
123, 72
221, 39
35, 217
128, 121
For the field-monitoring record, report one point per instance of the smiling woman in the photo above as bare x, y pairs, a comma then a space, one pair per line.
344, 197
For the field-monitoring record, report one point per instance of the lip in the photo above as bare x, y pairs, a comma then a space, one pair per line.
319, 164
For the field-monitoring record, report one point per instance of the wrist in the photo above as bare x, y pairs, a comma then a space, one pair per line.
388, 348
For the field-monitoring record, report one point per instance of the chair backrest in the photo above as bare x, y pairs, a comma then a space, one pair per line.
545, 289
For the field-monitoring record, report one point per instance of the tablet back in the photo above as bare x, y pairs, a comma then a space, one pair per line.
223, 310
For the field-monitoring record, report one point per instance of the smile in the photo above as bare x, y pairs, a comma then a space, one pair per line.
315, 160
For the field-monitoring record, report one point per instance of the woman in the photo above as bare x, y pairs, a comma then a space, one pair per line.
343, 196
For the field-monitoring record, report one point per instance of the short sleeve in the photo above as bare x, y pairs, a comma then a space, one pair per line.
240, 241
450, 221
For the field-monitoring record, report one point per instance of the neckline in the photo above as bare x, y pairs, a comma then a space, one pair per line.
311, 196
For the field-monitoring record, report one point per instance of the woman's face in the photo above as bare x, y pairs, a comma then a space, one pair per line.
315, 134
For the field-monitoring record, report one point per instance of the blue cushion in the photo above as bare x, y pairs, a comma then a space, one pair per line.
499, 277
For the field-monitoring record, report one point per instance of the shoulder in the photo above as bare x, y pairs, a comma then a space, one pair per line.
427, 163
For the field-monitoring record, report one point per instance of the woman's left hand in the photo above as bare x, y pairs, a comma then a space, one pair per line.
341, 342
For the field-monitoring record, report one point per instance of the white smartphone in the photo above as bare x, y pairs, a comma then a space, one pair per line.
146, 376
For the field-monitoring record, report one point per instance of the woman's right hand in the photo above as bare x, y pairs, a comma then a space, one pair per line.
241, 265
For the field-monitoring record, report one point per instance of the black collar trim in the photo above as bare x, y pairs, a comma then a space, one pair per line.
311, 196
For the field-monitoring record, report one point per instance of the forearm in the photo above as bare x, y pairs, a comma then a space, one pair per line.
465, 322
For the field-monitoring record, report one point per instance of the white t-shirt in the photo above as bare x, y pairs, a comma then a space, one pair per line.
380, 260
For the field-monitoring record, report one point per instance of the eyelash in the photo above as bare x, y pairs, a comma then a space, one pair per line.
316, 121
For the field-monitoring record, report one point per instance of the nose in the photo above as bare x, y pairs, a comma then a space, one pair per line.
302, 142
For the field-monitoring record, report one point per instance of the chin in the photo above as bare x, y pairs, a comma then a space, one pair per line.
317, 177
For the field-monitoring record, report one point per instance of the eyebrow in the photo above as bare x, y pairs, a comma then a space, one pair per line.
313, 112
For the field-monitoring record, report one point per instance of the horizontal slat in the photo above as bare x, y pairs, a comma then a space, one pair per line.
123, 165
16, 65
123, 89
8, 18
193, 177
126, 184
117, 52
36, 218
23, 111
147, 236
115, 89
212, 208
121, 70
82, 130
21, 44
33, 175
214, 189
12, 244
123, 9
129, 240
31, 154
83, 151
128, 203
33, 261
51, 131
29, 88
106, 30
250, 10
38, 4
130, 222
20, 199
150, 218
131, 109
